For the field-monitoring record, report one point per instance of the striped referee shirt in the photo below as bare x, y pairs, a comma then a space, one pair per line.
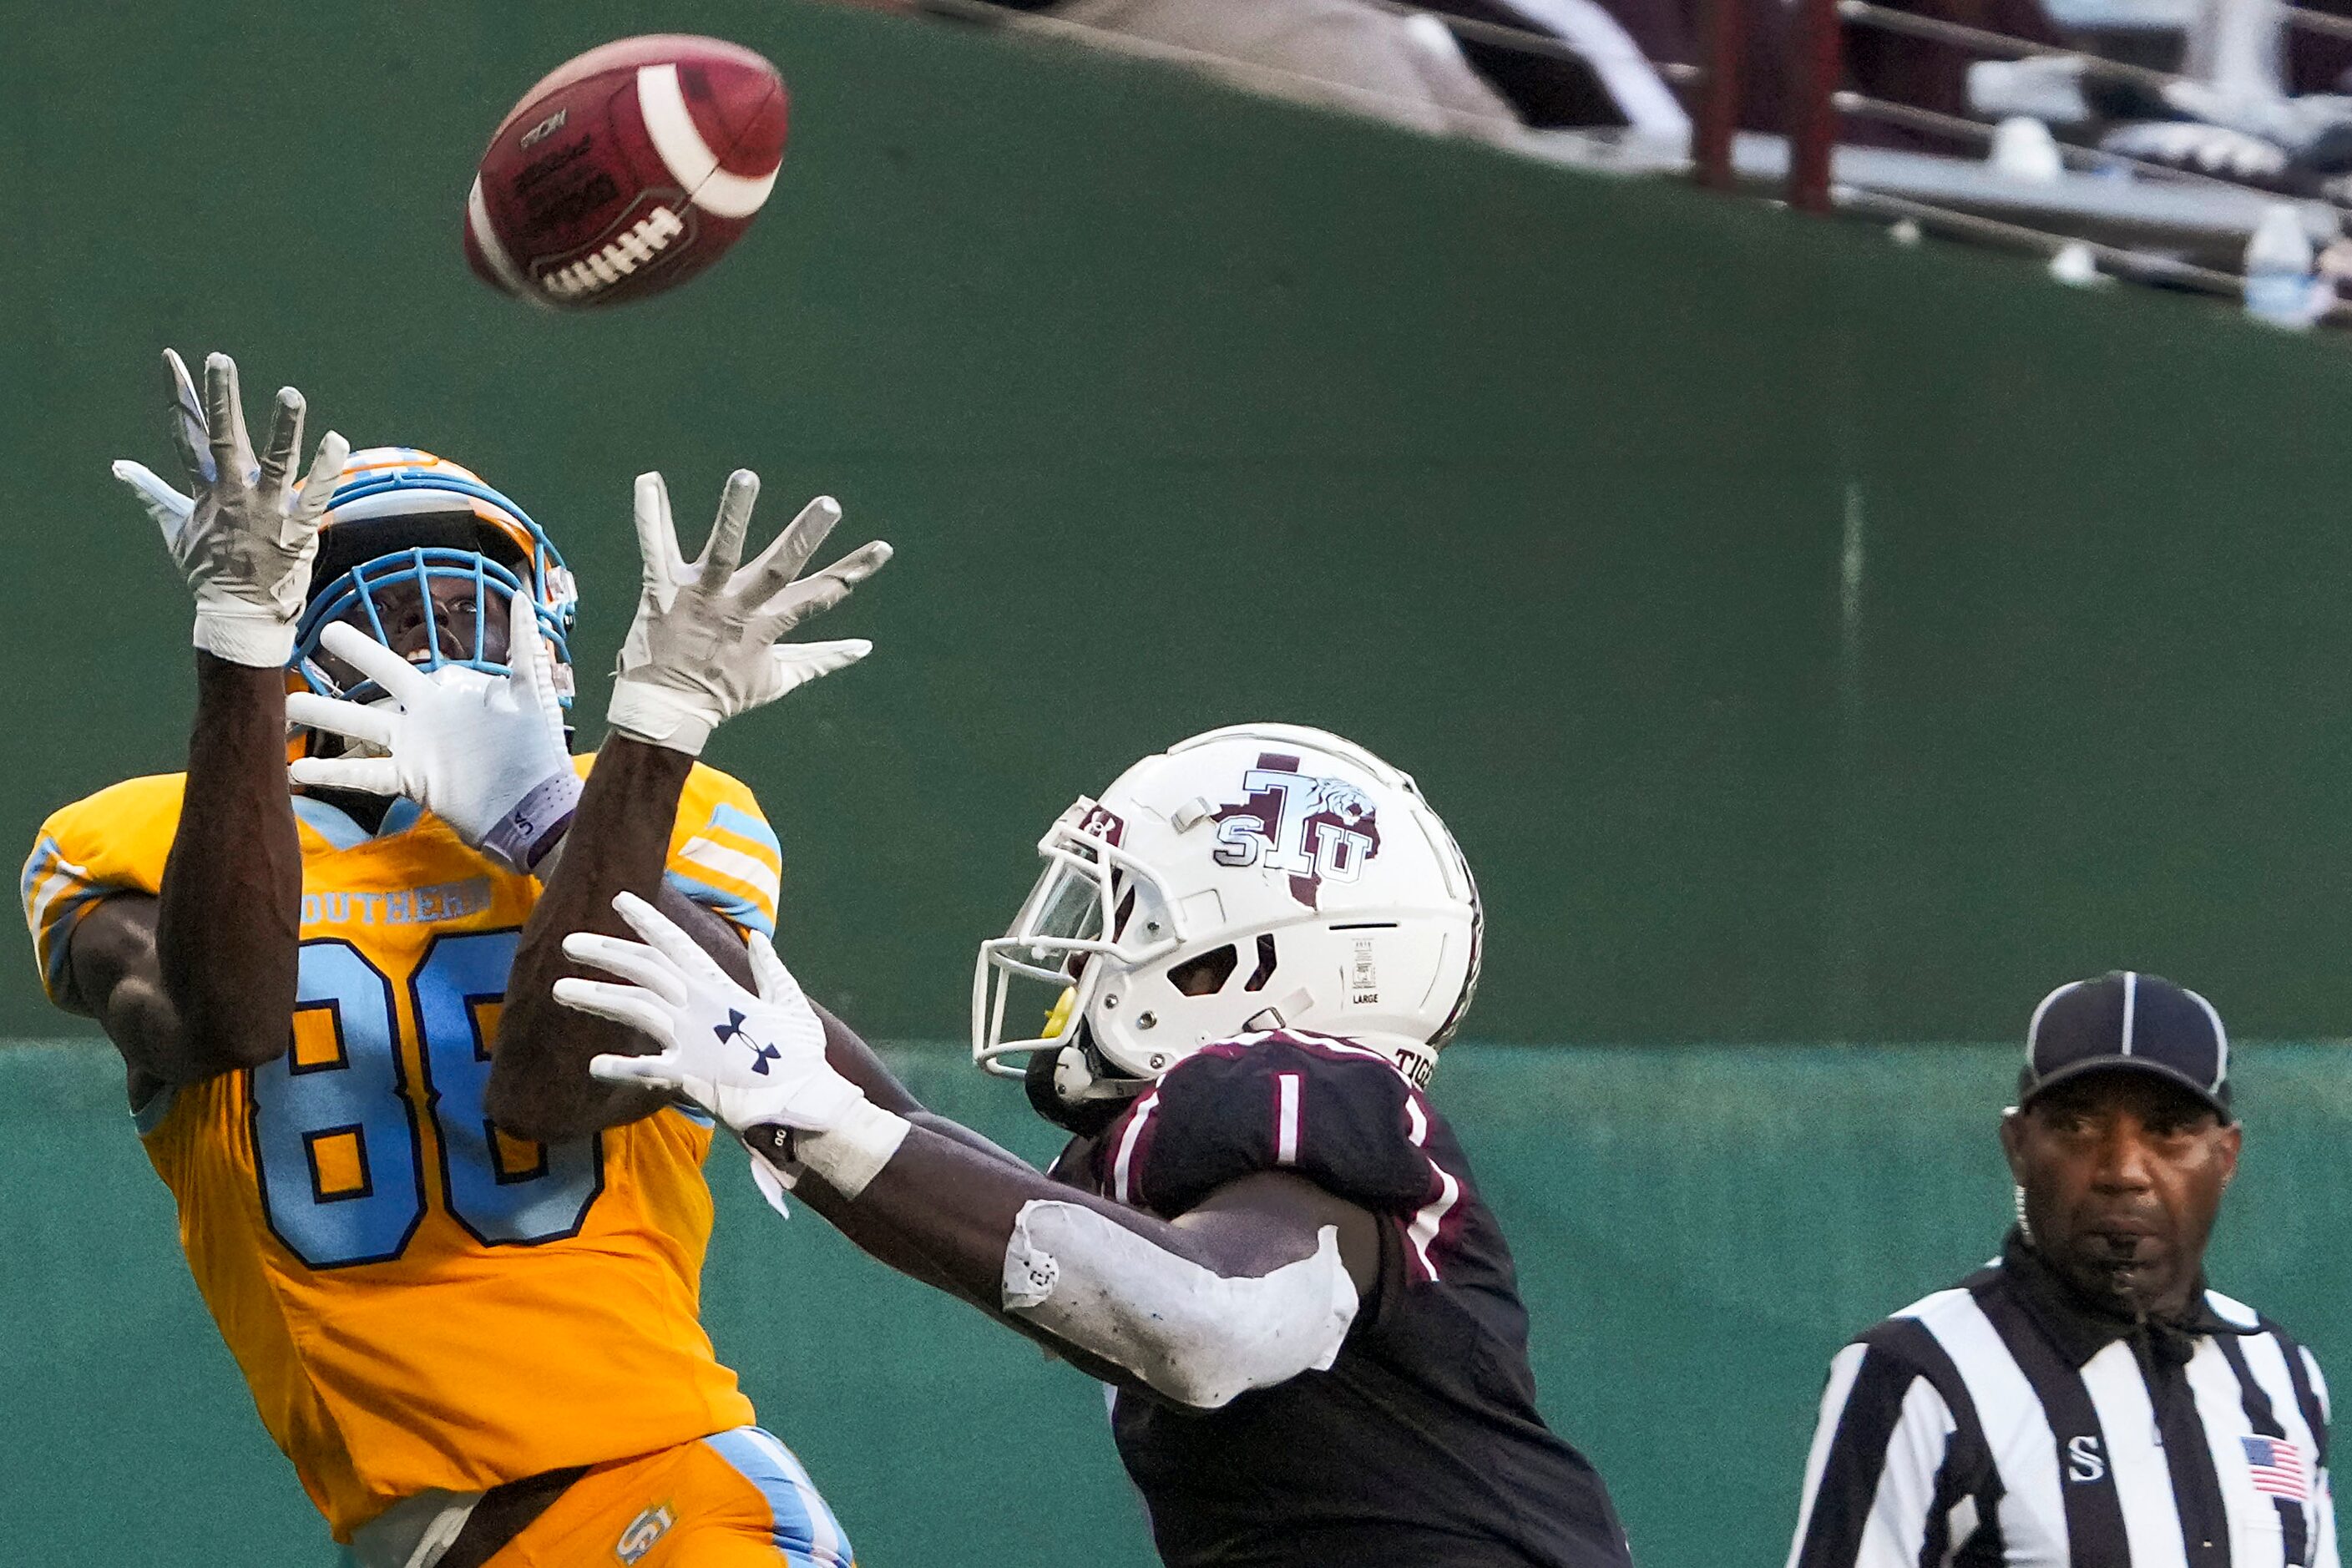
2002, 1422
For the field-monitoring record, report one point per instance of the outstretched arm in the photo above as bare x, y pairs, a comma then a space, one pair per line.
1255, 1284
957, 1205
540, 1086
201, 979
487, 755
704, 646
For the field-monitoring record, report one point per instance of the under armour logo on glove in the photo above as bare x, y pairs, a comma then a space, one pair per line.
732, 1029
749, 1060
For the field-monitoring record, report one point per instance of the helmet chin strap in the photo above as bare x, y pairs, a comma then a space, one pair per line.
1073, 1088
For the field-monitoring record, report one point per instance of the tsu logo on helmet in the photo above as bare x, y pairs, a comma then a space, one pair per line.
1257, 877
1316, 829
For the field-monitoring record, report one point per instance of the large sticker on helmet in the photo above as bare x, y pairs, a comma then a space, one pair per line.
1315, 828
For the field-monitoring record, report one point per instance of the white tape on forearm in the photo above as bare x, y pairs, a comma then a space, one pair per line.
245, 635
850, 1153
659, 716
1193, 1334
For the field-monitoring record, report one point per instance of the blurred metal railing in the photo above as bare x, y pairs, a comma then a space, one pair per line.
2137, 219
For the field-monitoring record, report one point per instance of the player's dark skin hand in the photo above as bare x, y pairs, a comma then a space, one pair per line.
2122, 1174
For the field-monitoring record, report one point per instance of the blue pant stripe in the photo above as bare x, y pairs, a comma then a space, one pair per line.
828, 1528
804, 1530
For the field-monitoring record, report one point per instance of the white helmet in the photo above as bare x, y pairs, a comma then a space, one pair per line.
1258, 876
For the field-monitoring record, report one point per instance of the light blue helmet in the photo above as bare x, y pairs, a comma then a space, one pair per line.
403, 517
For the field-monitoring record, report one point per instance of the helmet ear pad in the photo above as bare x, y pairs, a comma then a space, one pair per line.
1056, 1082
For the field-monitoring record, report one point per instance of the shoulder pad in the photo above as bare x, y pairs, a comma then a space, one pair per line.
1339, 1114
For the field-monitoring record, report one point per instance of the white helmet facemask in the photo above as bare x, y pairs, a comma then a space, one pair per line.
1091, 899
1255, 877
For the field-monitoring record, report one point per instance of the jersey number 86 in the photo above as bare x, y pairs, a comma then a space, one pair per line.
336, 1139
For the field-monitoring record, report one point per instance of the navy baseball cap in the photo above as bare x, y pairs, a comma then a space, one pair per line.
2124, 1019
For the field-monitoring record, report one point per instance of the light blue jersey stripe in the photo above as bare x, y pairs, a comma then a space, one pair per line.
60, 918
804, 1530
329, 823
333, 824
743, 825
45, 854
719, 901
151, 1113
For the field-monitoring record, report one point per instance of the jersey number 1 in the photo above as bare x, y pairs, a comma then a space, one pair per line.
334, 1130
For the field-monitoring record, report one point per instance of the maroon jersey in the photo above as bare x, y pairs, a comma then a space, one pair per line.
1421, 1443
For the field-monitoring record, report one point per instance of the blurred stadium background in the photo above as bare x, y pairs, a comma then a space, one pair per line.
1821, 647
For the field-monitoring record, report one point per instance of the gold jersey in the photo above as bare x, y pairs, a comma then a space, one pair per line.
417, 1299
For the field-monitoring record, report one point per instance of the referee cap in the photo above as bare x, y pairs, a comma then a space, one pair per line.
2126, 1019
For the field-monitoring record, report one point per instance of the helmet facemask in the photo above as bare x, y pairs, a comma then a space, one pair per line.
391, 592
420, 555
1093, 911
1121, 1009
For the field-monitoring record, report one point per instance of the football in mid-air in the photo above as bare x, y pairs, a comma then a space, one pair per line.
626, 171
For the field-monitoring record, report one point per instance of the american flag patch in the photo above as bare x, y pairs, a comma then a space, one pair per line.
2276, 1466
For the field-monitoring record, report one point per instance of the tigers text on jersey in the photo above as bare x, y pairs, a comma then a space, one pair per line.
2001, 1422
1421, 1444
417, 1299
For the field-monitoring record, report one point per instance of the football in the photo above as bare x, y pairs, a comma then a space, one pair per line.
626, 171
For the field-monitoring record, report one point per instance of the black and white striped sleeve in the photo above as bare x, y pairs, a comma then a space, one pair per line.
2322, 1494
1898, 1476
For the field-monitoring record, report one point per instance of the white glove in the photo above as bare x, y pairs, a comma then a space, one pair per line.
704, 645
244, 537
749, 1060
485, 754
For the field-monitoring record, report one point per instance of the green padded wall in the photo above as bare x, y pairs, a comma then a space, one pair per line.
1697, 1229
1808, 638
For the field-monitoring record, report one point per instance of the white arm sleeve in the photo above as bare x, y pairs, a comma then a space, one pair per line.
1188, 1331
2322, 1494
1870, 1480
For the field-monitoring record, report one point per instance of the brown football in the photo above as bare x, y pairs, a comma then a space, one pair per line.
626, 171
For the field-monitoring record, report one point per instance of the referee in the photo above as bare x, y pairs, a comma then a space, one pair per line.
2084, 1400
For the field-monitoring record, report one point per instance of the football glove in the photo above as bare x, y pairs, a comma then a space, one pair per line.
485, 754
704, 645
244, 536
749, 1060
